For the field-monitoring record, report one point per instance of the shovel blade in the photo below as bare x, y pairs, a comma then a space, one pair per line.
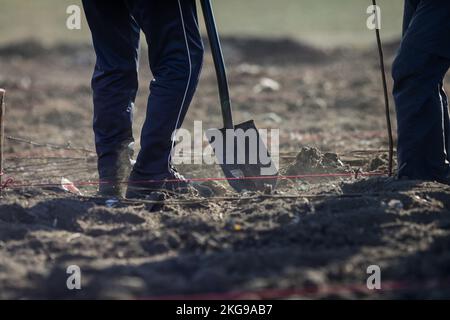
244, 158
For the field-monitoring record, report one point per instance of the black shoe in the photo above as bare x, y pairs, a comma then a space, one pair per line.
145, 187
444, 180
113, 179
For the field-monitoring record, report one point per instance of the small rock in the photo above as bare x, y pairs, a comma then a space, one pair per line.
332, 159
395, 204
272, 117
267, 85
173, 240
111, 203
285, 218
211, 188
319, 103
73, 237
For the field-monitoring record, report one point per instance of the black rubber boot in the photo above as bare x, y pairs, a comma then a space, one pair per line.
113, 180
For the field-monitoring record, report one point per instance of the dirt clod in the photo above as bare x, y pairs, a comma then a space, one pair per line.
312, 160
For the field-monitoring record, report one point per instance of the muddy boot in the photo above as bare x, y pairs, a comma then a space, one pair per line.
113, 179
109, 187
144, 186
155, 187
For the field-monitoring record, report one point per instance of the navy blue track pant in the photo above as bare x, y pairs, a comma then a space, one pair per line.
421, 103
175, 54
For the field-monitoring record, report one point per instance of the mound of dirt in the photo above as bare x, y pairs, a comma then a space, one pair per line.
312, 160
25, 49
379, 163
280, 51
31, 48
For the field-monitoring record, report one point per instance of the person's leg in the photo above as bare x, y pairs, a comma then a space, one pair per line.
418, 75
176, 56
410, 9
115, 37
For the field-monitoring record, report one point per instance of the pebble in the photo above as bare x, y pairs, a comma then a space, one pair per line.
111, 203
395, 204
267, 85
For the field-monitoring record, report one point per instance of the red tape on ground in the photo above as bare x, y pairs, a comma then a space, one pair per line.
10, 183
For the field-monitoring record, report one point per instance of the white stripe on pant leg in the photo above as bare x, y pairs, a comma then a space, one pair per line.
187, 86
441, 88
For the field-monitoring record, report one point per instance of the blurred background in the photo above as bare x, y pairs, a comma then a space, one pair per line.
324, 23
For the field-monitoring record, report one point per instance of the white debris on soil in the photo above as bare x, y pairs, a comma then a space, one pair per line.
111, 203
267, 85
319, 103
395, 204
272, 117
68, 186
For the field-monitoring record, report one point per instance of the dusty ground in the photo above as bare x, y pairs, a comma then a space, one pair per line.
312, 238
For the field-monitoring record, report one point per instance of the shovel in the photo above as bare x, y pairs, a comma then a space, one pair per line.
239, 149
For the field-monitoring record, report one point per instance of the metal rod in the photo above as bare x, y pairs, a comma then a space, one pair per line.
385, 89
219, 63
2, 134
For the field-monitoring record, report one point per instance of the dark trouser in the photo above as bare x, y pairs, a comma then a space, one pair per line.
175, 54
421, 103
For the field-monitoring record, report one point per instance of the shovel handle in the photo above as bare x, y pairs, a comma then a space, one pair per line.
219, 63
2, 133
386, 97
